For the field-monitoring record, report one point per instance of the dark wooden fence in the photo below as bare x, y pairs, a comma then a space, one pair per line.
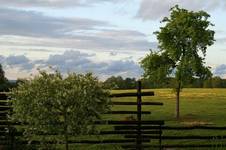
134, 134
130, 131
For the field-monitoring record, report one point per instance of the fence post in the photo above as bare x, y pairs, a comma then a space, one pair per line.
160, 138
12, 131
139, 135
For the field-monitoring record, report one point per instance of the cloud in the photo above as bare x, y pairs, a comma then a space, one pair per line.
155, 9
125, 68
79, 62
29, 28
20, 61
82, 62
40, 3
220, 70
15, 60
113, 53
31, 23
51, 3
221, 40
73, 61
70, 61
119, 40
1, 59
99, 41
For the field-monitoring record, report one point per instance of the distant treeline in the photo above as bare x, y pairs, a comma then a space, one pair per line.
7, 85
130, 83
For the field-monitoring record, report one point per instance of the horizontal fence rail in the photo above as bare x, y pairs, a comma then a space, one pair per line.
135, 103
131, 94
127, 112
113, 122
133, 134
10, 133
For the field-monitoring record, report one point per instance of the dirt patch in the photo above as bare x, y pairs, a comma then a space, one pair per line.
188, 116
196, 123
190, 120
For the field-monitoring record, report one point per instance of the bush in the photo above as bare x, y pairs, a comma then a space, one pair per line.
50, 103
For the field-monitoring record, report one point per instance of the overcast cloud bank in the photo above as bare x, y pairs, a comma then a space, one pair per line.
74, 61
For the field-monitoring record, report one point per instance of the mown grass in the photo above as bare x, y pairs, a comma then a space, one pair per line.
197, 107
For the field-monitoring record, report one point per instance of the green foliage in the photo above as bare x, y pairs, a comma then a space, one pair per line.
216, 82
157, 67
119, 83
50, 103
2, 75
4, 84
182, 42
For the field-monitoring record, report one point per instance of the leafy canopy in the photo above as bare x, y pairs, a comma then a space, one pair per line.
51, 103
182, 42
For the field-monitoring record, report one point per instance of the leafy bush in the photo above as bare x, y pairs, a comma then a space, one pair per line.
50, 103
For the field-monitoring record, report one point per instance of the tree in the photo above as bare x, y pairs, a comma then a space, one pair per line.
119, 83
3, 80
113, 82
2, 74
130, 83
50, 103
183, 42
216, 82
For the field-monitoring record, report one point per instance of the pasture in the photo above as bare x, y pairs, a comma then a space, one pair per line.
198, 107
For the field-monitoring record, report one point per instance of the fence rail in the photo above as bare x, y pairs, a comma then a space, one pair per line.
134, 134
6, 127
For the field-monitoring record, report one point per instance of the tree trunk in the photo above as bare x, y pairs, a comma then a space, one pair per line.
178, 101
66, 141
66, 131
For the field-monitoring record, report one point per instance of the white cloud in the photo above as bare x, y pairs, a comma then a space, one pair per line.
51, 3
2, 59
221, 40
19, 61
32, 29
124, 68
220, 70
71, 61
31, 23
155, 9
83, 62
14, 60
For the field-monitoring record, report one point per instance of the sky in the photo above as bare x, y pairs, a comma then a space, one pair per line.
106, 37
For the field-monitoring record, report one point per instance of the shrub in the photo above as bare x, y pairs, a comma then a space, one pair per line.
50, 103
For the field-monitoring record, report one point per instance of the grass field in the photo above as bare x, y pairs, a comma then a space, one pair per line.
197, 107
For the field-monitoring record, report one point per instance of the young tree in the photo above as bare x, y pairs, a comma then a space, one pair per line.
51, 103
182, 42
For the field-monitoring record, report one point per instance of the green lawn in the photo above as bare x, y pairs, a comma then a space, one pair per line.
198, 107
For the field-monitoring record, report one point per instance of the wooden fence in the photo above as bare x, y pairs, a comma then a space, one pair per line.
134, 134
130, 130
